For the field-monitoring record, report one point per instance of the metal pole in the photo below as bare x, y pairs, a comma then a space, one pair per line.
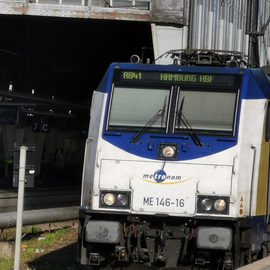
41, 216
20, 207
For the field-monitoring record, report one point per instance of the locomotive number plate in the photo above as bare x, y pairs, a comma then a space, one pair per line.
163, 202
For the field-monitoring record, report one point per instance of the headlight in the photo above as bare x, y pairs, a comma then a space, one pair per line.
122, 199
168, 151
206, 204
220, 205
115, 199
109, 199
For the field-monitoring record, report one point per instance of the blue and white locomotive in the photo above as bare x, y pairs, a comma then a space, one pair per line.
176, 168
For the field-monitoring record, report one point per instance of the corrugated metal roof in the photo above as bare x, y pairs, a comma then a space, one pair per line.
221, 25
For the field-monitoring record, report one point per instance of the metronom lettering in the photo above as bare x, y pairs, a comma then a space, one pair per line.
178, 77
163, 177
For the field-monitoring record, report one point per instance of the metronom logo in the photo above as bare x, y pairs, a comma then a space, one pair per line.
161, 177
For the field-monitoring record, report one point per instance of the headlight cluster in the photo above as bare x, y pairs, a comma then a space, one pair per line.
115, 199
213, 205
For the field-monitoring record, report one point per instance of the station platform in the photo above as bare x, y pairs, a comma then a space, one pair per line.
263, 264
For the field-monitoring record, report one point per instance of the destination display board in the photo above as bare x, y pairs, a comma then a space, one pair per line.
214, 79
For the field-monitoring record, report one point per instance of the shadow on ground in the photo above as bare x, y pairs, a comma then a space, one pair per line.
61, 259
65, 259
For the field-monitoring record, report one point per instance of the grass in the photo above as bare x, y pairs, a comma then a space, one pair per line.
6, 264
36, 244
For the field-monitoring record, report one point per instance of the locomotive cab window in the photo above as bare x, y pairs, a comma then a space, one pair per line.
174, 103
133, 108
207, 112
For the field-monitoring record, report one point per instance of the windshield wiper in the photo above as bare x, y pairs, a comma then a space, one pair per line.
150, 123
182, 121
179, 118
163, 111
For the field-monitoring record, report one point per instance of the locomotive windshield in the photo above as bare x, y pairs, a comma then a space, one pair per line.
155, 102
133, 108
206, 111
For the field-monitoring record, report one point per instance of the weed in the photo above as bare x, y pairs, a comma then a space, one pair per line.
35, 245
6, 264
10, 234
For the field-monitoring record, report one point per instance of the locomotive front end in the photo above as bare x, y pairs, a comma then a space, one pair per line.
169, 167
